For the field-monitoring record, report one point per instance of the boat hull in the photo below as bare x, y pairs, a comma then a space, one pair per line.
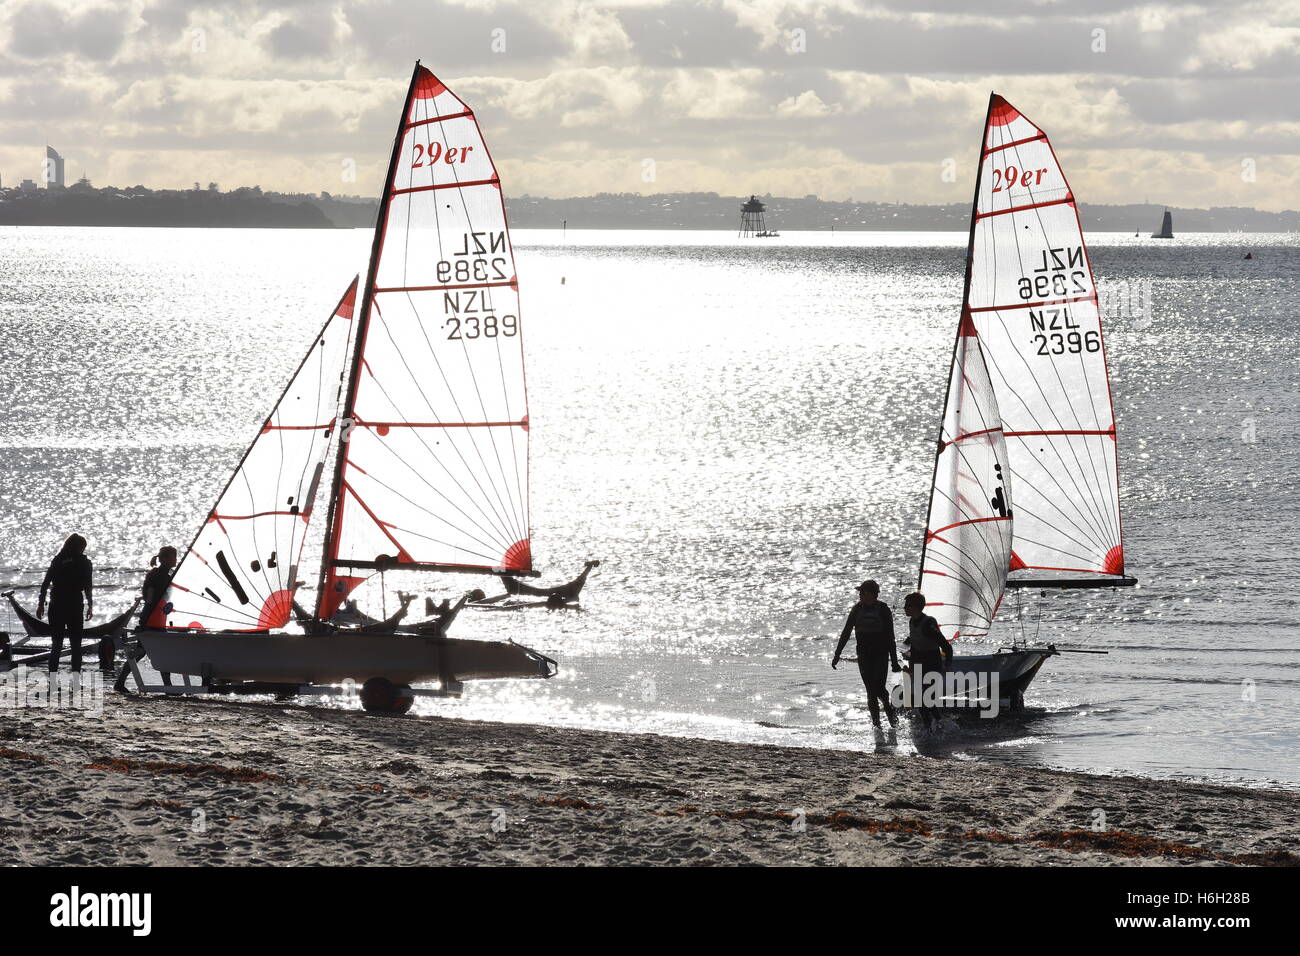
333, 658
35, 627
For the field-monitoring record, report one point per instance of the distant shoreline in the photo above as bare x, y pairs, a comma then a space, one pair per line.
85, 205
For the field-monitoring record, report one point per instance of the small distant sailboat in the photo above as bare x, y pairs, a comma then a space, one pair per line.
1026, 481
1166, 227
431, 454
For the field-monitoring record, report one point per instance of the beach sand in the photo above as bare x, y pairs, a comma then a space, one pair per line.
220, 782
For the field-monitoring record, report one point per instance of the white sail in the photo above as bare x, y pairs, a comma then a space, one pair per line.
969, 527
434, 468
241, 570
1033, 301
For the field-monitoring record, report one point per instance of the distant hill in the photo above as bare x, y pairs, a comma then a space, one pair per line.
711, 211
84, 205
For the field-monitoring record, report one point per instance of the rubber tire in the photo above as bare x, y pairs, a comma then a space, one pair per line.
405, 700
379, 695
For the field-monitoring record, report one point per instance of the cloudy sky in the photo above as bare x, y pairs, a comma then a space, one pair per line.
1193, 104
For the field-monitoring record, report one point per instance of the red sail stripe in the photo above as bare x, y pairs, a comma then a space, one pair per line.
297, 428
958, 524
520, 424
1033, 305
259, 514
1064, 431
510, 284
423, 189
1015, 142
982, 431
439, 119
1032, 205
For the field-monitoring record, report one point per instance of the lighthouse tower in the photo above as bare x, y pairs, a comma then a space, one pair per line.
751, 219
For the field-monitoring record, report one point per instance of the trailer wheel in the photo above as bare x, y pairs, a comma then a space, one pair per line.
379, 695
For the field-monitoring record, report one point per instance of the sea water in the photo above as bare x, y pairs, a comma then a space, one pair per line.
741, 430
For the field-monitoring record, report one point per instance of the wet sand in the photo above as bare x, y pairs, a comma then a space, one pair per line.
218, 782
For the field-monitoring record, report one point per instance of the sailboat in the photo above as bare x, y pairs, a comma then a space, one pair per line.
1166, 227
1026, 481
430, 452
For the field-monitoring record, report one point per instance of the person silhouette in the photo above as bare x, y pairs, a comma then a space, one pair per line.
66, 582
873, 623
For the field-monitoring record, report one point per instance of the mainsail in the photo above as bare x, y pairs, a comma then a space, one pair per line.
433, 465
241, 570
1033, 301
968, 531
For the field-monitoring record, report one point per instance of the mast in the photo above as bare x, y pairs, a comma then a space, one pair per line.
965, 317
329, 552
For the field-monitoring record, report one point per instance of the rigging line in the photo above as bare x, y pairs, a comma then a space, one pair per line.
961, 509
1056, 549
470, 535
252, 590
1096, 547
238, 625
298, 544
959, 451
298, 532
1084, 521
982, 568
253, 498
1092, 477
952, 570
411, 302
989, 239
1077, 499
491, 559
200, 595
1106, 517
516, 505
976, 612
486, 528
496, 522
287, 562
473, 438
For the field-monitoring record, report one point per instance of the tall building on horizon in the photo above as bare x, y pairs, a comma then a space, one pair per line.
53, 168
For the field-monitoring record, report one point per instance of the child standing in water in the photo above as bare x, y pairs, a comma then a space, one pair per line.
66, 582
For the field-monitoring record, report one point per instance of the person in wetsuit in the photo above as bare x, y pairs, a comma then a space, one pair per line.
930, 650
66, 582
873, 623
153, 613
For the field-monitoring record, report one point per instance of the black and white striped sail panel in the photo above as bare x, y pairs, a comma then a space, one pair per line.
436, 461
969, 528
1034, 303
241, 571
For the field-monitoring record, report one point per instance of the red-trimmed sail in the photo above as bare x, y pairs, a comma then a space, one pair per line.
241, 571
1033, 300
434, 470
968, 530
